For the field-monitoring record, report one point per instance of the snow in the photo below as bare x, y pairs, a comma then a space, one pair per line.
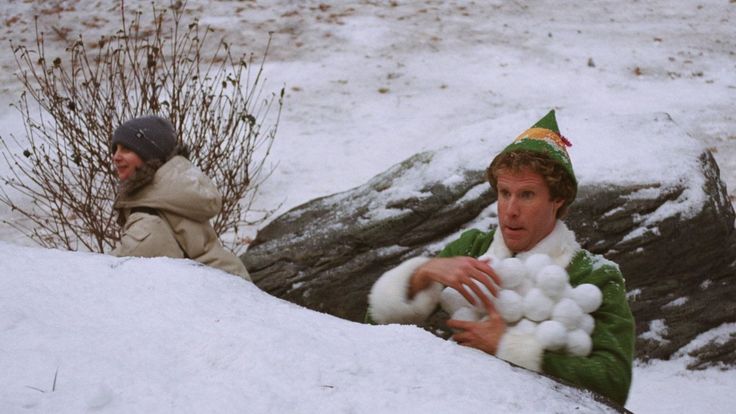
657, 328
666, 386
368, 85
677, 302
92, 332
88, 332
718, 335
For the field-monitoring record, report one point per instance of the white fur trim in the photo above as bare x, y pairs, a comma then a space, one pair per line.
522, 349
388, 300
498, 247
560, 245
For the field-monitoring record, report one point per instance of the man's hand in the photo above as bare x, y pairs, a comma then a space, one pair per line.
459, 273
484, 335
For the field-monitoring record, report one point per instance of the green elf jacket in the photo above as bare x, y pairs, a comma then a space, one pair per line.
607, 370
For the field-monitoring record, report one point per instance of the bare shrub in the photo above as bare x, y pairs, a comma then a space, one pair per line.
61, 176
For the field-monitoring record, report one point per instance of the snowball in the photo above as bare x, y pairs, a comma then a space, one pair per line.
535, 263
551, 335
524, 288
588, 296
537, 306
478, 303
451, 300
509, 305
568, 313
525, 326
587, 323
578, 343
568, 292
511, 271
466, 314
552, 280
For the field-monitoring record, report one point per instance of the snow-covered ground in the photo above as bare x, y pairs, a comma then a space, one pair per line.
370, 84
86, 332
83, 332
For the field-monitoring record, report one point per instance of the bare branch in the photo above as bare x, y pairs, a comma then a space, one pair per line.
72, 103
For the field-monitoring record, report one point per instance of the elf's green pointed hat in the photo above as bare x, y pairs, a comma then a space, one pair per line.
545, 137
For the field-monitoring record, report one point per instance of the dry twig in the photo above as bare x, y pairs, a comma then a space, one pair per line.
61, 175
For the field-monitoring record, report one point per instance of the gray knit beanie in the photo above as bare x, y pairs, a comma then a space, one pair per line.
151, 137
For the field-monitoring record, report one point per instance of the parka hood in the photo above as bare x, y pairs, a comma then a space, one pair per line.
178, 187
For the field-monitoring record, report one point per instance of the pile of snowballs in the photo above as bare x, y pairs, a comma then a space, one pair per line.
536, 298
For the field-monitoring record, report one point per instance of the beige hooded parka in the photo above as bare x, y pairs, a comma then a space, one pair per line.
170, 217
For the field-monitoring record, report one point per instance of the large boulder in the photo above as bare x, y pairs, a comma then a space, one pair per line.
327, 253
677, 264
650, 199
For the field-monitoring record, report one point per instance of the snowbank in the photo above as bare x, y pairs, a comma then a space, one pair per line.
81, 332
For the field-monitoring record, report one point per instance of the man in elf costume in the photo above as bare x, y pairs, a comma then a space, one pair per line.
535, 184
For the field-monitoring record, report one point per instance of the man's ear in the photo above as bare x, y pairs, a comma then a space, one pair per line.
558, 205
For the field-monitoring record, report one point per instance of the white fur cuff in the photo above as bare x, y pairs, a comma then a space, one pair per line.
521, 349
388, 300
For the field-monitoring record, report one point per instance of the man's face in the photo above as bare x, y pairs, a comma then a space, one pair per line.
526, 214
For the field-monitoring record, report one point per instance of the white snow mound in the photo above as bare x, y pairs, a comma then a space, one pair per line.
164, 335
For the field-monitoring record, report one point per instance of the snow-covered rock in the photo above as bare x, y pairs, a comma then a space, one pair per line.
667, 222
